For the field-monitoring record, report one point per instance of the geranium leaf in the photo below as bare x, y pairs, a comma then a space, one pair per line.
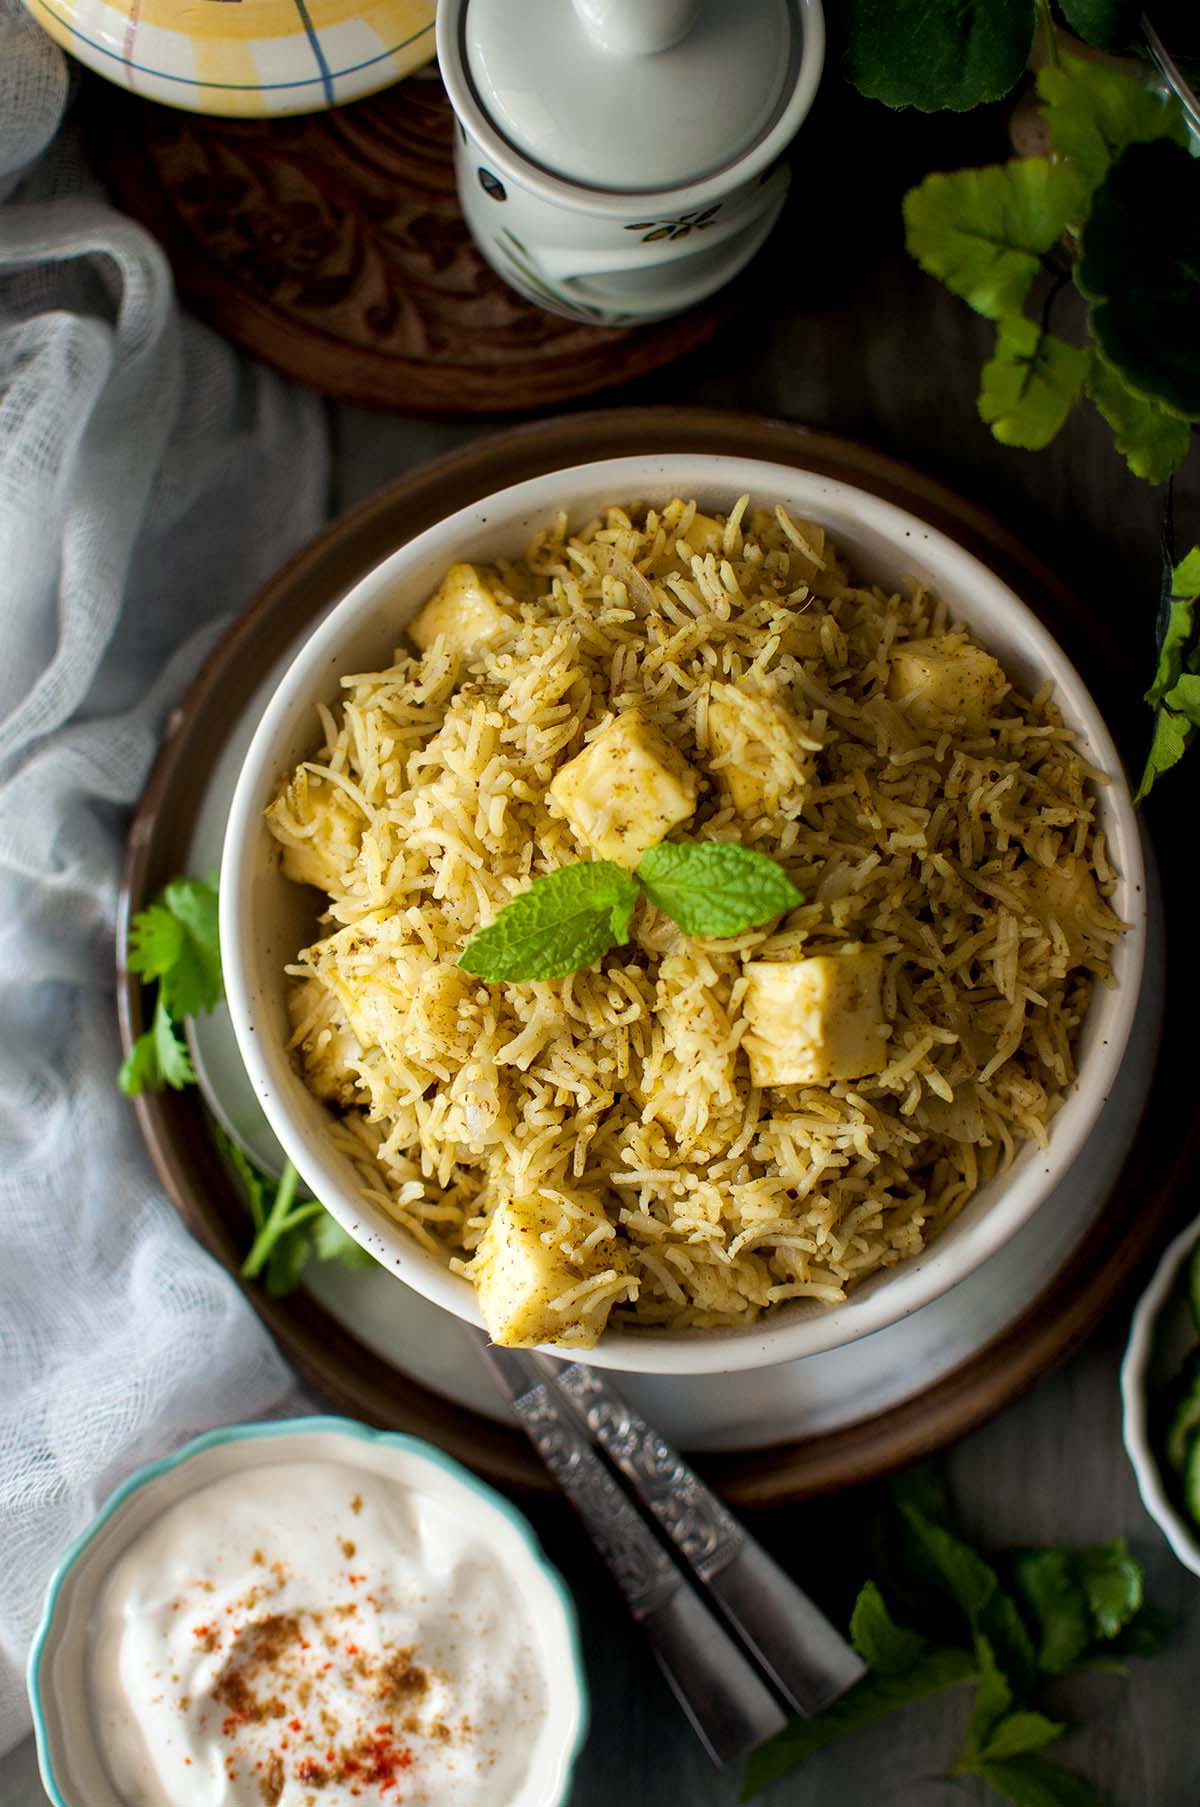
1028, 387
925, 54
983, 232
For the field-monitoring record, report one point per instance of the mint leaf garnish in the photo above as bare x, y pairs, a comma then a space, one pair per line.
983, 232
715, 887
565, 921
880, 1642
1175, 692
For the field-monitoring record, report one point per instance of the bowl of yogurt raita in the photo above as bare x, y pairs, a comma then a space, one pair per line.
307, 1614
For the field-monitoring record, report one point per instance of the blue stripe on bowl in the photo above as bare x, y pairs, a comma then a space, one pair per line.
191, 81
317, 51
284, 1427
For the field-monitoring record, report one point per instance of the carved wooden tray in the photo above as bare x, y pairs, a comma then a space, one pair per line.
1145, 1193
332, 246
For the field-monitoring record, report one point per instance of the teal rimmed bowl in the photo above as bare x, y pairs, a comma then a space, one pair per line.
69, 1753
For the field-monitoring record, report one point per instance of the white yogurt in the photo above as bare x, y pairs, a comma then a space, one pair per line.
313, 1633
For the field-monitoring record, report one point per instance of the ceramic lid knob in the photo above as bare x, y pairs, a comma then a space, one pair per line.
637, 27
632, 96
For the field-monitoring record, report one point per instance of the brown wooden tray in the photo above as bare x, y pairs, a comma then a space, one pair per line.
1145, 1194
332, 246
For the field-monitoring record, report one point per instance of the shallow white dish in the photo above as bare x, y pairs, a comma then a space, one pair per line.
69, 1757
1160, 1335
264, 919
798, 1399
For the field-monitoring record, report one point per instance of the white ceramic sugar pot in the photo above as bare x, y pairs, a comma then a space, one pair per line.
619, 160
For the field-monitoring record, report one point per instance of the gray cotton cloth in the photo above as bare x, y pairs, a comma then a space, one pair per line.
150, 480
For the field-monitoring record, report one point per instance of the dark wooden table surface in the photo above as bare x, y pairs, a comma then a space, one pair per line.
837, 328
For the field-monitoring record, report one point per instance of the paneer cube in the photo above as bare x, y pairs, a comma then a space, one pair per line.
760, 745
626, 790
320, 831
519, 1270
1067, 896
705, 534
463, 611
945, 679
816, 1020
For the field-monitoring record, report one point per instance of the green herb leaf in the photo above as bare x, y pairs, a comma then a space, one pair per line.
1093, 112
139, 1070
193, 983
1180, 626
170, 1053
1144, 1635
993, 1698
1152, 440
155, 942
983, 232
1018, 1733
959, 1571
1030, 1781
1112, 1581
1139, 266
1029, 386
566, 920
1106, 24
1047, 1581
872, 1698
331, 1243
919, 53
882, 1644
715, 887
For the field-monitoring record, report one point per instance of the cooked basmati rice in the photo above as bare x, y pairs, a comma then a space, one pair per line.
676, 1192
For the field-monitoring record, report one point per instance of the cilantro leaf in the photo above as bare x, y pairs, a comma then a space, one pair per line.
564, 921
1152, 440
171, 1055
1112, 1581
878, 1694
1029, 1781
715, 887
983, 232
1047, 1582
139, 1071
331, 1243
193, 983
882, 1644
1139, 266
1020, 1732
1093, 112
919, 53
155, 942
1105, 24
1030, 384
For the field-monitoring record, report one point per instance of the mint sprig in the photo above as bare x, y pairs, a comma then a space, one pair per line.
715, 887
568, 918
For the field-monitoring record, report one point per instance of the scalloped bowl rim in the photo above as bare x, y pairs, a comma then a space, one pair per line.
372, 613
46, 1722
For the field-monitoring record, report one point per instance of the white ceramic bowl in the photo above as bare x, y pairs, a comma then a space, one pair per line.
265, 919
1161, 1334
69, 1756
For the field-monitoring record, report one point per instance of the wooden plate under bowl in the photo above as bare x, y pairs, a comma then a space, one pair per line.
175, 1126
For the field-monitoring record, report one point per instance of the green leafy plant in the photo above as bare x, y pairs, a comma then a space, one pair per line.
174, 946
1062, 1610
567, 919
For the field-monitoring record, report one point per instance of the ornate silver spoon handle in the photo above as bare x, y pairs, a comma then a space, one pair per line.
809, 1662
730, 1708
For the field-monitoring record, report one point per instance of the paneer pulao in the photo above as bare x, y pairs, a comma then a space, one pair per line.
688, 1132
